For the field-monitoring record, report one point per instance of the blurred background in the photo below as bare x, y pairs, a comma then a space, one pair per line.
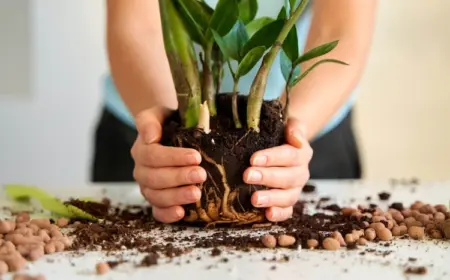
52, 59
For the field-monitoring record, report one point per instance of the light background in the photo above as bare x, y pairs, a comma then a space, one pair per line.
401, 118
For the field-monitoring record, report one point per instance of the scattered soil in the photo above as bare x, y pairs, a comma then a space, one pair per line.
309, 188
226, 153
420, 270
384, 196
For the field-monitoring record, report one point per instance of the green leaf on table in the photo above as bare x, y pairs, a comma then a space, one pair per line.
316, 52
224, 17
47, 201
248, 10
250, 60
256, 24
286, 67
195, 18
266, 36
330, 60
236, 40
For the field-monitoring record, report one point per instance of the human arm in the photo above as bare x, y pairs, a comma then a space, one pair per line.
137, 56
324, 90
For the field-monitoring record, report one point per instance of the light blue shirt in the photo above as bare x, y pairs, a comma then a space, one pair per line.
275, 82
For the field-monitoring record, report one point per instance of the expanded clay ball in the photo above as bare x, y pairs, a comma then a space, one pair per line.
3, 268
416, 232
269, 241
384, 234
338, 236
331, 244
362, 241
349, 238
312, 243
286, 240
102, 268
22, 217
446, 228
435, 234
439, 216
370, 234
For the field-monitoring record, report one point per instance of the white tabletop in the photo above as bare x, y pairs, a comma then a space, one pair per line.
302, 264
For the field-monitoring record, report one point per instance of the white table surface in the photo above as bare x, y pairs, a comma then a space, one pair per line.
303, 264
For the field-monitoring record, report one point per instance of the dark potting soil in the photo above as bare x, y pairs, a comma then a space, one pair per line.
384, 196
309, 188
227, 150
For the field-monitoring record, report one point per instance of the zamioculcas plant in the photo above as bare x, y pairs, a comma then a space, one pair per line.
230, 36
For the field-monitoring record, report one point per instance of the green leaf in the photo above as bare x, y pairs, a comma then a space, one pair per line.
286, 67
292, 4
290, 45
47, 201
236, 40
250, 60
222, 44
256, 24
282, 14
224, 17
266, 36
248, 10
316, 52
206, 7
195, 18
303, 75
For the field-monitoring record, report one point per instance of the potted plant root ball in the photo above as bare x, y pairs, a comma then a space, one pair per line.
227, 128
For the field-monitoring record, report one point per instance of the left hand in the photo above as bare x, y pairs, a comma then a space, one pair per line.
285, 169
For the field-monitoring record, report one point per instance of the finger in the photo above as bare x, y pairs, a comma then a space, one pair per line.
295, 133
168, 215
169, 177
156, 155
276, 197
278, 214
172, 197
148, 126
284, 155
277, 177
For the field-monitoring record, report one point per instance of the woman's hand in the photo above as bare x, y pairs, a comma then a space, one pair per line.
166, 175
285, 169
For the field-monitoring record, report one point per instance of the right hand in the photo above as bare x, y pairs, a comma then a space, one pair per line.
166, 175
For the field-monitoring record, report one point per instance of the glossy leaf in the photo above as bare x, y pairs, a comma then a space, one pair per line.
292, 4
250, 60
206, 7
222, 44
47, 201
286, 67
224, 17
248, 10
282, 14
316, 52
266, 36
256, 24
327, 60
290, 45
236, 40
195, 18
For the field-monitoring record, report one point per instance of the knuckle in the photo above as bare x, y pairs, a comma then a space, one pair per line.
292, 199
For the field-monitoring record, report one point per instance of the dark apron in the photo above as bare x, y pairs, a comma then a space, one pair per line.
335, 153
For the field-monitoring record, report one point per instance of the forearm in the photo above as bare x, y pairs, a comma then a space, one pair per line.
138, 62
316, 98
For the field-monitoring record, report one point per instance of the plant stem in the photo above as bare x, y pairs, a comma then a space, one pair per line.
209, 93
234, 104
183, 65
256, 95
288, 95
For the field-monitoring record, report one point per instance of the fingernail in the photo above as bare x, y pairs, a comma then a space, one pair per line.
260, 160
193, 158
195, 176
262, 200
254, 176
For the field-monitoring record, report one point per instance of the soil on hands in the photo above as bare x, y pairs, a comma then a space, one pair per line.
226, 153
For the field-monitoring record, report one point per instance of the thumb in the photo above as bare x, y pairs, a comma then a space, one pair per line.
149, 126
295, 133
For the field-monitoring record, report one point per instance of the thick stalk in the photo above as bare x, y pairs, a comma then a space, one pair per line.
234, 104
208, 90
256, 95
181, 55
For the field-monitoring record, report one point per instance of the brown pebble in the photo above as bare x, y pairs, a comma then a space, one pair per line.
331, 244
377, 219
435, 234
416, 232
370, 234
423, 218
3, 268
384, 234
16, 262
50, 248
439, 216
347, 211
286, 240
398, 217
41, 223
377, 226
416, 205
338, 236
349, 238
44, 235
59, 246
102, 268
446, 228
396, 231
312, 243
441, 208
269, 241
34, 228
390, 224
406, 213
362, 241
62, 222
365, 224
5, 227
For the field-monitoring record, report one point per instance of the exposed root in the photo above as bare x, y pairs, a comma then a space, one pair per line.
258, 218
265, 225
212, 224
240, 139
